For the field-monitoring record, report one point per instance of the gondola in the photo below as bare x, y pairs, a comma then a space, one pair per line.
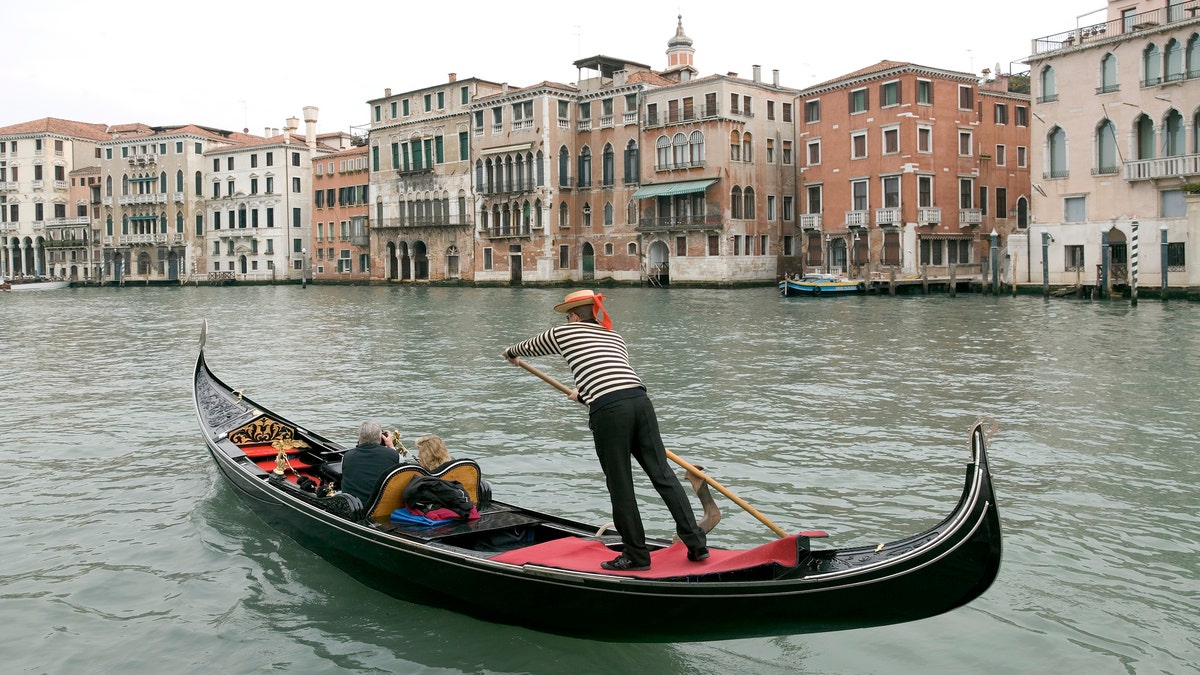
518, 566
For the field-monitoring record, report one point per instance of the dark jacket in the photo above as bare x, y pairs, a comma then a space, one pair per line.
362, 467
427, 493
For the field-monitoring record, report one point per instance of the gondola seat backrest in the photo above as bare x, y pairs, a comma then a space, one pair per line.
466, 472
389, 493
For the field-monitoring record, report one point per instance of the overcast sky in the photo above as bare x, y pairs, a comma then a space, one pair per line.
251, 64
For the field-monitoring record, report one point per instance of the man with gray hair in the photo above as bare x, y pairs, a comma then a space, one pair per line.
363, 464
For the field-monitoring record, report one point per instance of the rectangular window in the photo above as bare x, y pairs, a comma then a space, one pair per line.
983, 200
464, 147
1022, 158
787, 152
964, 143
966, 193
814, 199
858, 145
1001, 155
564, 257
966, 97
428, 98
394, 109
891, 191
465, 96
770, 207
270, 159
814, 152
714, 245
404, 110
1001, 113
891, 140
1001, 202
1176, 256
1075, 209
296, 217
858, 101
441, 100
858, 191
378, 114
487, 258
924, 139
924, 191
1022, 116
1073, 257
812, 111
770, 151
295, 159
787, 112
789, 210
770, 110
889, 94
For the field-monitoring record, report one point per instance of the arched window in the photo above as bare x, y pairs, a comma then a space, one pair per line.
1056, 154
564, 216
520, 172
162, 183
608, 213
632, 248
587, 215
631, 211
607, 169
479, 184
679, 150
735, 202
1173, 59
1106, 147
508, 174
748, 211
541, 169
483, 221
662, 151
1196, 133
735, 146
108, 185
125, 184
1192, 56
179, 222
564, 167
1174, 142
632, 171
1151, 66
747, 148
537, 214
199, 185
529, 170
1145, 138
179, 181
1108, 74
697, 147
1048, 85
585, 167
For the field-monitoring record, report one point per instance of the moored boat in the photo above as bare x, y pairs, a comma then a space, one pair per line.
520, 566
821, 284
33, 284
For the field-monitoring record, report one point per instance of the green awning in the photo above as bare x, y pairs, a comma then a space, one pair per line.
668, 189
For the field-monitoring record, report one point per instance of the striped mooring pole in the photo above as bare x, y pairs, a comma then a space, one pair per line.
1133, 264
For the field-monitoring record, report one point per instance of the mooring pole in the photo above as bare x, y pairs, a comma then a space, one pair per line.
1045, 263
1133, 265
995, 262
1163, 232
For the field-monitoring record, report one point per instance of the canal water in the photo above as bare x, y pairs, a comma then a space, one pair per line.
123, 551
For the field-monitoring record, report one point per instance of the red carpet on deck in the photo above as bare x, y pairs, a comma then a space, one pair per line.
585, 555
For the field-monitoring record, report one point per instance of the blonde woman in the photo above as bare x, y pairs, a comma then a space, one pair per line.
432, 452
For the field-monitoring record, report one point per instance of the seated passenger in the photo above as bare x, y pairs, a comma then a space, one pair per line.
432, 452
374, 456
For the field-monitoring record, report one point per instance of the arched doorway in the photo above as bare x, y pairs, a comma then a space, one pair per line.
405, 262
242, 264
1022, 212
391, 271
173, 266
659, 263
452, 269
420, 261
143, 264
588, 260
1118, 256
837, 255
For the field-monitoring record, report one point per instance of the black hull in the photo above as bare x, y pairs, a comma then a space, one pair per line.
921, 576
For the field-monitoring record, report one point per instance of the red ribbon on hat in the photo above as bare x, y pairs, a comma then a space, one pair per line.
599, 312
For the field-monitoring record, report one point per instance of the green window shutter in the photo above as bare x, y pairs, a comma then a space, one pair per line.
463, 148
395, 155
416, 150
405, 148
437, 141
375, 158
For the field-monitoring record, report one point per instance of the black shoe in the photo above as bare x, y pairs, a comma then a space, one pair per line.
623, 563
698, 554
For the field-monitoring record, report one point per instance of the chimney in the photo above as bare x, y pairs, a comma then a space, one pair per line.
775, 77
757, 74
504, 89
731, 74
310, 126
267, 132
387, 92
454, 77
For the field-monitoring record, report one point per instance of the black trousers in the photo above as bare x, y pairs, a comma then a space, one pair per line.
628, 428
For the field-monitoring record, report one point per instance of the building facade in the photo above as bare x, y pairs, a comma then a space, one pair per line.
422, 201
42, 232
1116, 138
340, 248
907, 168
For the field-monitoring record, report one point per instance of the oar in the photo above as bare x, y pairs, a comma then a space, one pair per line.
673, 457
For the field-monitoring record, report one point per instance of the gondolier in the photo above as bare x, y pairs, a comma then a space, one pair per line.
622, 421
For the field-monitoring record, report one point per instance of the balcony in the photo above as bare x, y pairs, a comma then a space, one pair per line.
969, 217
503, 232
59, 222
585, 125
8, 227
159, 198
680, 223
106, 201
61, 185
692, 164
606, 121
159, 238
143, 160
522, 125
1162, 167
455, 220
178, 197
858, 218
810, 221
8, 186
64, 243
629, 118
1184, 11
887, 216
929, 215
37, 184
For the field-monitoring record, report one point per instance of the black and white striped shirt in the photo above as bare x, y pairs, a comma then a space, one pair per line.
598, 357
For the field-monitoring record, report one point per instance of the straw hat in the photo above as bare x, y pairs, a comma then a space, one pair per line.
576, 299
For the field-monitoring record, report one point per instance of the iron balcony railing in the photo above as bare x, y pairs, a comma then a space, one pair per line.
686, 223
1184, 11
